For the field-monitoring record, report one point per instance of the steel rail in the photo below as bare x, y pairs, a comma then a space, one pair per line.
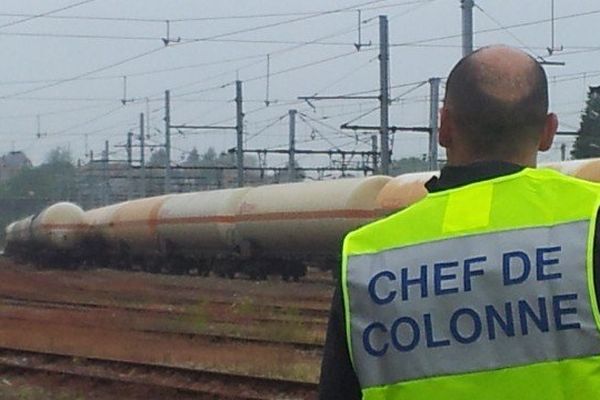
180, 379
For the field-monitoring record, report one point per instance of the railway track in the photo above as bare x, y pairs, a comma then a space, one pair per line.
319, 320
212, 338
165, 381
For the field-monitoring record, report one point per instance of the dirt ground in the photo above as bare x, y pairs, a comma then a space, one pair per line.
161, 319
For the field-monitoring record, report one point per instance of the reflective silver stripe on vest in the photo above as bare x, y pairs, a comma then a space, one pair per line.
471, 304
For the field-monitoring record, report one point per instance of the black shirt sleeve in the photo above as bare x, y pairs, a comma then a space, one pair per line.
338, 379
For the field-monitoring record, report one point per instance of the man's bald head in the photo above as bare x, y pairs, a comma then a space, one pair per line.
497, 98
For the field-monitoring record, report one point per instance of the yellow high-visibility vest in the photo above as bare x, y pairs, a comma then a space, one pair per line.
481, 292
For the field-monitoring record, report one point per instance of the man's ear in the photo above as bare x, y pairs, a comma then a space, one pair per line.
550, 127
446, 129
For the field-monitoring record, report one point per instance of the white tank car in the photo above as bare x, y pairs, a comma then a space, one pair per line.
97, 234
308, 218
59, 227
131, 232
18, 239
407, 189
404, 190
9, 232
584, 169
22, 230
195, 228
58, 232
9, 239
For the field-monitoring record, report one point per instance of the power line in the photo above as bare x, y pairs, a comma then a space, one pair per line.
89, 121
144, 54
286, 22
517, 25
508, 31
195, 19
47, 86
276, 73
44, 14
56, 112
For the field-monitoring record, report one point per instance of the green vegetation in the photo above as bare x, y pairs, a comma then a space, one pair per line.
33, 188
587, 144
8, 391
54, 180
407, 165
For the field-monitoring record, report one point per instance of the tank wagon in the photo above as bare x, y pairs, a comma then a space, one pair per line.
404, 190
583, 169
282, 227
57, 234
256, 231
96, 243
131, 233
197, 231
18, 239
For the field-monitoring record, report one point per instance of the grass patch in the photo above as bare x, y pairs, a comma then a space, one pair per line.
26, 392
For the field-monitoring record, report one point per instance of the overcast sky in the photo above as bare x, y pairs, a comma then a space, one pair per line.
67, 66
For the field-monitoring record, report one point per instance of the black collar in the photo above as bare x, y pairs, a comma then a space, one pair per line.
453, 177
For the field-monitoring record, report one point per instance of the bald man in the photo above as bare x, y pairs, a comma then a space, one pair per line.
485, 289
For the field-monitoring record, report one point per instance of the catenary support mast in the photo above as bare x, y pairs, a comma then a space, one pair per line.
292, 155
434, 99
142, 157
239, 127
467, 26
384, 99
167, 142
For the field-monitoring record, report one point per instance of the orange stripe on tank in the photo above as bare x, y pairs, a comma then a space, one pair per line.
63, 226
267, 217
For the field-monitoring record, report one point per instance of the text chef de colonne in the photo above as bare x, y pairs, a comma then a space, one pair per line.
468, 324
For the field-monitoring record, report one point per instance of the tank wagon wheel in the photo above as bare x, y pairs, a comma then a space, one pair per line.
294, 269
203, 269
256, 270
150, 265
177, 266
227, 268
124, 260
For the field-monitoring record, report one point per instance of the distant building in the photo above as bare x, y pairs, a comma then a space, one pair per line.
12, 163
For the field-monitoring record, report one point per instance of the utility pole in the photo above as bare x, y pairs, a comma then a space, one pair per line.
374, 150
106, 186
129, 165
142, 157
167, 188
434, 98
239, 127
384, 93
467, 26
292, 160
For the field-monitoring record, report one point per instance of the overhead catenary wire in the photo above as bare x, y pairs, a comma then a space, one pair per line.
87, 73
146, 53
505, 29
488, 30
45, 14
248, 100
418, 85
196, 19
